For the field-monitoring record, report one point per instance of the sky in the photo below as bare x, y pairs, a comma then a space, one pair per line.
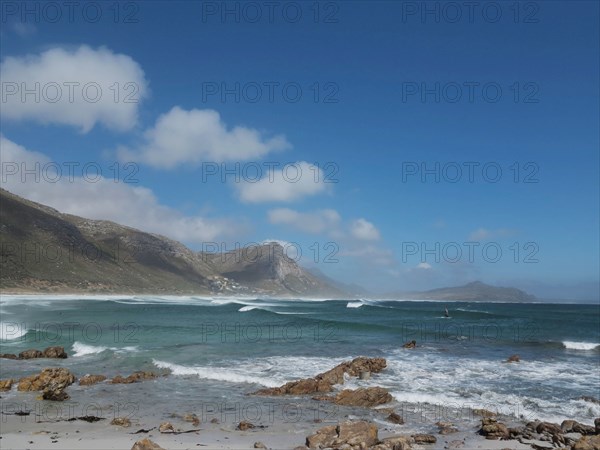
395, 145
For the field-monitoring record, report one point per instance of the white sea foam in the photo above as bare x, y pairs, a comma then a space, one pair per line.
354, 304
81, 349
571, 345
247, 308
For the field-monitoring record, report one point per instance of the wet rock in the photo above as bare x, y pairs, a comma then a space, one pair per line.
54, 352
587, 398
597, 425
513, 358
587, 443
9, 356
121, 422
193, 418
55, 395
492, 429
484, 413
135, 377
537, 444
146, 444
53, 379
260, 445
424, 438
30, 354
395, 418
88, 380
573, 426
6, 385
214, 420
245, 425
446, 428
324, 382
365, 397
410, 344
166, 427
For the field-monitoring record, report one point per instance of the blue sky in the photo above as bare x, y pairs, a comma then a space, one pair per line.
380, 85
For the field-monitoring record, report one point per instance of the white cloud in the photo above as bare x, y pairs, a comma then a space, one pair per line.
182, 137
123, 203
315, 222
364, 230
423, 266
369, 254
110, 87
292, 182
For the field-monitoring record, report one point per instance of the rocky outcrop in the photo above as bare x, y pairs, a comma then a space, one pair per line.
364, 397
424, 438
492, 429
50, 352
245, 426
324, 382
52, 381
446, 428
121, 422
6, 385
166, 427
513, 358
410, 344
346, 433
88, 380
587, 443
541, 435
146, 444
395, 418
135, 377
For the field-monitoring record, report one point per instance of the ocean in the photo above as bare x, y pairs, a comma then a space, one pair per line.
217, 350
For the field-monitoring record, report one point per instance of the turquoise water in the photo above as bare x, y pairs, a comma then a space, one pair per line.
220, 349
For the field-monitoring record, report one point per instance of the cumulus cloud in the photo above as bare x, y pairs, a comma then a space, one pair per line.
364, 230
78, 87
101, 198
291, 182
423, 266
181, 137
315, 222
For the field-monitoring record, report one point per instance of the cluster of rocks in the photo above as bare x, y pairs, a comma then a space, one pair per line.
546, 435
49, 352
325, 381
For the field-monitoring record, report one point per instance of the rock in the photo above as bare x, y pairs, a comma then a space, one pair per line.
88, 380
597, 425
571, 438
121, 422
324, 437
30, 354
398, 442
395, 418
548, 427
424, 438
135, 377
193, 418
446, 428
411, 344
53, 379
587, 443
55, 395
6, 385
537, 444
354, 433
9, 356
260, 445
214, 420
166, 427
146, 444
491, 429
587, 398
576, 427
324, 382
54, 352
365, 397
245, 425
513, 358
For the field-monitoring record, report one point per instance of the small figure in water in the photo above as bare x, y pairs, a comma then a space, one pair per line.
446, 313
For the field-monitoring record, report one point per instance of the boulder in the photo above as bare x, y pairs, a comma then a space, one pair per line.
51, 379
344, 435
513, 358
323, 437
30, 354
446, 428
398, 442
146, 444
6, 385
395, 418
410, 344
484, 413
597, 425
121, 422
424, 438
260, 445
135, 377
193, 418
492, 429
166, 427
54, 352
55, 394
9, 356
245, 425
569, 426
365, 397
88, 380
587, 443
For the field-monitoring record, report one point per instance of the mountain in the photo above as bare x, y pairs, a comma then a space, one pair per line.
43, 250
475, 291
